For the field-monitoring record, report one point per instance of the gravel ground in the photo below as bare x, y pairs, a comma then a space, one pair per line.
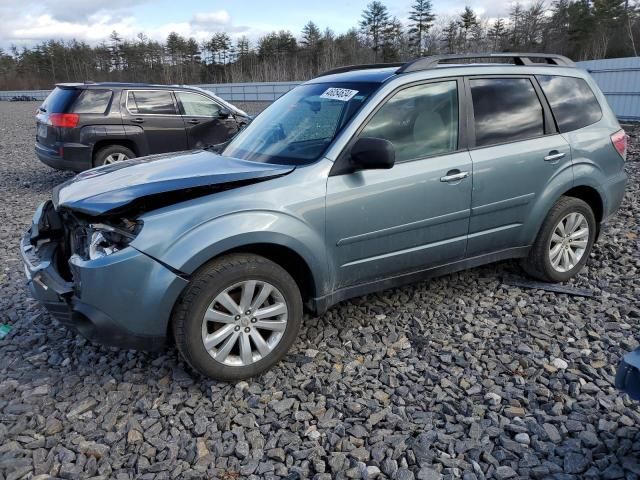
460, 377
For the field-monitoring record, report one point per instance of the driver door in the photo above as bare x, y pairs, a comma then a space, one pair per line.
382, 223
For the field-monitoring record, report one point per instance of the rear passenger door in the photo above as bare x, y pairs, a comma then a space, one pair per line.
516, 152
203, 120
156, 113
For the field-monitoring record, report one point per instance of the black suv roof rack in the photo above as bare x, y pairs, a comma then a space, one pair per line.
426, 63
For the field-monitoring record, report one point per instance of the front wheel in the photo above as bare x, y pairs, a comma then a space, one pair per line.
238, 317
564, 242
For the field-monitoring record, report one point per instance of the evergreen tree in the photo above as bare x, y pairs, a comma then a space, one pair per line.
468, 21
310, 36
497, 34
374, 23
421, 19
450, 36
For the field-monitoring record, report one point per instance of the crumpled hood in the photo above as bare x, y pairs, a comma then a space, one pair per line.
113, 187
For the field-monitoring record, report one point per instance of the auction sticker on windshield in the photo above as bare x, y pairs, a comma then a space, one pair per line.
343, 94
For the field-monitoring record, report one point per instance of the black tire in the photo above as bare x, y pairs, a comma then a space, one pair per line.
101, 155
538, 263
208, 283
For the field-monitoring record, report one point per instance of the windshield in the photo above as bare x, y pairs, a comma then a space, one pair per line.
298, 127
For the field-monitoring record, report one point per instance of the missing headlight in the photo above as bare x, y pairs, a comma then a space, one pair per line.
108, 239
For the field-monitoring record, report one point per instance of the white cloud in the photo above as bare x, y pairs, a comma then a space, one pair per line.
32, 21
43, 21
44, 27
219, 17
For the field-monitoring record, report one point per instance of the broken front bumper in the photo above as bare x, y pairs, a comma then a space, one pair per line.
628, 376
123, 300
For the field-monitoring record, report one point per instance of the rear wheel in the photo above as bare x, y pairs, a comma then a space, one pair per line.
112, 154
238, 317
564, 241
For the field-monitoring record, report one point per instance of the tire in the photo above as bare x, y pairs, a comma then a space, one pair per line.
539, 263
201, 296
102, 156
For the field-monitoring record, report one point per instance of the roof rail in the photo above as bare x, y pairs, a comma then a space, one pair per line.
426, 63
365, 66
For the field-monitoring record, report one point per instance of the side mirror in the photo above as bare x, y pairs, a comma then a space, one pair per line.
224, 113
372, 153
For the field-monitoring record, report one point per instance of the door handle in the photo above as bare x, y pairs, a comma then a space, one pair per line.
552, 157
454, 177
193, 121
138, 120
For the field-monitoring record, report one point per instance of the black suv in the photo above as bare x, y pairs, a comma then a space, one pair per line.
84, 125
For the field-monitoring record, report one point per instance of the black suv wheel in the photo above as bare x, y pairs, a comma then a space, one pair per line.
112, 154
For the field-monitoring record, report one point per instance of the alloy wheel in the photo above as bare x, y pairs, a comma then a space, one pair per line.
569, 242
115, 157
244, 323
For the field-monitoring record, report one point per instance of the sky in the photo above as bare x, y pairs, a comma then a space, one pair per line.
25, 22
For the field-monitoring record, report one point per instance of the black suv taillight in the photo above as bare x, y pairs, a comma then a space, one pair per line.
64, 120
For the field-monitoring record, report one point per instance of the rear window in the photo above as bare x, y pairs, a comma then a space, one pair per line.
505, 110
93, 101
59, 100
572, 101
151, 102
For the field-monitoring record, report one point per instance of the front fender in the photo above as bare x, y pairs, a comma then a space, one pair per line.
200, 244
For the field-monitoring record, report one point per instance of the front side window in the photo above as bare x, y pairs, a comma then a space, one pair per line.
505, 110
572, 101
195, 105
298, 127
419, 121
156, 102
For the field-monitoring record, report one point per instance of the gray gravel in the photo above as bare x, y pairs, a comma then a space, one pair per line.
460, 377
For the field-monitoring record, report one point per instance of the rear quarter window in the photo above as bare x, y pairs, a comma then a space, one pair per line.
572, 101
59, 100
93, 101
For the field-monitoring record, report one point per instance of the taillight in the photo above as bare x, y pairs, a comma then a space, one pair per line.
64, 120
619, 140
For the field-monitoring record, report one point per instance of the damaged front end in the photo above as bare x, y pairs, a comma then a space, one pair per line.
79, 254
84, 272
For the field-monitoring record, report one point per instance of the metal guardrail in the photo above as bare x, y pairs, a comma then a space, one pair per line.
35, 94
619, 79
232, 92
250, 92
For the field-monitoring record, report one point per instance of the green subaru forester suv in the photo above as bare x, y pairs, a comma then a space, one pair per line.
362, 179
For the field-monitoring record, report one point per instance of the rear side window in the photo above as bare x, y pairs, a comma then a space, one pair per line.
195, 105
505, 110
59, 100
93, 101
572, 101
151, 102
